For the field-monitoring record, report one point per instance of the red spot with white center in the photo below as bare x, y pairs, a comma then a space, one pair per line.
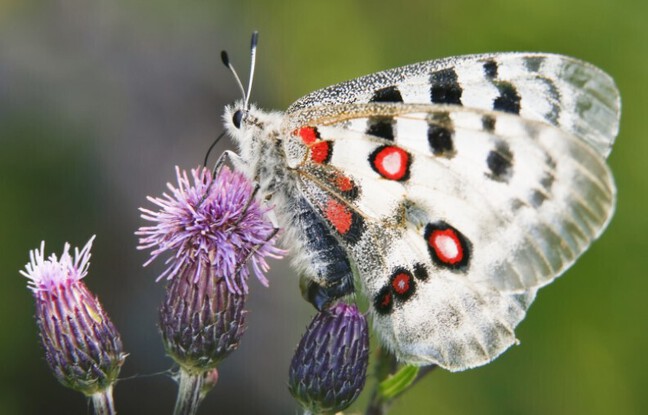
391, 162
339, 216
401, 284
321, 152
308, 134
447, 246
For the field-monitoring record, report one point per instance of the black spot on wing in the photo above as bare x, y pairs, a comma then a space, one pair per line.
500, 163
554, 99
488, 123
490, 69
382, 127
508, 100
420, 272
387, 94
548, 178
537, 198
444, 87
440, 140
533, 63
547, 182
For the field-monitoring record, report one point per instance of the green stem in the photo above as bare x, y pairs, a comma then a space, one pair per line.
102, 402
385, 365
189, 393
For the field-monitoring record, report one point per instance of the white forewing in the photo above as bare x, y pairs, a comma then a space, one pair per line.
563, 91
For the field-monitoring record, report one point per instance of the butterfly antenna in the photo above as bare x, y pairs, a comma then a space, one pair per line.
229, 65
253, 48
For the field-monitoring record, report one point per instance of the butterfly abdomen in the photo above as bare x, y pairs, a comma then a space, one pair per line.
328, 267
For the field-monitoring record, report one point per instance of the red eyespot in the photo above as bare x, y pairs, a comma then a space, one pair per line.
402, 283
391, 162
447, 246
384, 301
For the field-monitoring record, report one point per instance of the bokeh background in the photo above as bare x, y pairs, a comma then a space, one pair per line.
100, 100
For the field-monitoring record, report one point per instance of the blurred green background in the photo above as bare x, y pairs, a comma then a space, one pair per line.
100, 100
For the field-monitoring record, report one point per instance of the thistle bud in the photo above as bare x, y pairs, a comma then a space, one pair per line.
82, 346
328, 370
201, 320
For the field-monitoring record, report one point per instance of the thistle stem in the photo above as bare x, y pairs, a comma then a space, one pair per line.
189, 390
385, 365
102, 402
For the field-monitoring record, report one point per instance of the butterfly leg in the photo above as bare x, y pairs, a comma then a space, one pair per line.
228, 155
238, 164
329, 275
254, 250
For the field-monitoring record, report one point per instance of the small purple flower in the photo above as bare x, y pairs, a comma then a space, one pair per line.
328, 370
82, 347
214, 225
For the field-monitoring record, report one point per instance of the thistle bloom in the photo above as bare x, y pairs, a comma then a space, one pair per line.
82, 347
328, 370
211, 226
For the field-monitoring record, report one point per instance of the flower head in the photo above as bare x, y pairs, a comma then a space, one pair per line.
45, 275
328, 370
210, 223
82, 347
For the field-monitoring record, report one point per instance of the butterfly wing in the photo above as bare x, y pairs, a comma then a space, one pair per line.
451, 222
562, 91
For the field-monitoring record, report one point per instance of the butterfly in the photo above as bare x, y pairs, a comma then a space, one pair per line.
446, 192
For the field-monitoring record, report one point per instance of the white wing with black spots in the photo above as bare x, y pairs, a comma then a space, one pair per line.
486, 218
530, 195
574, 95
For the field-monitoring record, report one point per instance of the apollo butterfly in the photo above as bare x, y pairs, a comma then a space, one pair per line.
446, 192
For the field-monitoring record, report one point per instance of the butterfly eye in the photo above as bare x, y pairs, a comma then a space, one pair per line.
237, 117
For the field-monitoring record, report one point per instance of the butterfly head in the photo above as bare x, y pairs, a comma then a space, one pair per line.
242, 119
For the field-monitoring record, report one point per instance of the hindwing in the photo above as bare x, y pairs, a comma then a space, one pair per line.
452, 216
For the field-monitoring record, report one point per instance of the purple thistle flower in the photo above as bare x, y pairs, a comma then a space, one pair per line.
328, 370
214, 225
82, 347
